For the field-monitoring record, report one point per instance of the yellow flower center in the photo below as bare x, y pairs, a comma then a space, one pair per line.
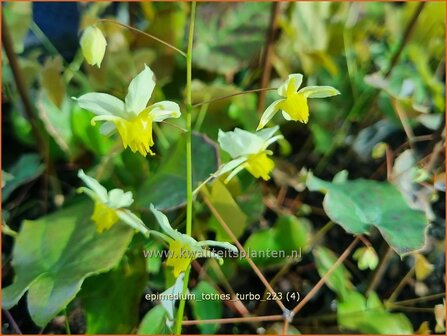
260, 165
104, 217
137, 133
180, 256
296, 107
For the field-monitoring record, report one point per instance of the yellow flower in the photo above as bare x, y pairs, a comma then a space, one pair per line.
110, 206
137, 133
248, 151
132, 118
180, 256
93, 45
422, 267
294, 103
103, 216
183, 249
260, 165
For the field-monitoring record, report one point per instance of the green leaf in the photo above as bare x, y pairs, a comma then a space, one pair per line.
57, 121
229, 35
26, 169
221, 198
292, 232
86, 134
251, 203
54, 254
154, 322
284, 240
338, 281
112, 300
360, 204
368, 315
204, 308
166, 189
152, 248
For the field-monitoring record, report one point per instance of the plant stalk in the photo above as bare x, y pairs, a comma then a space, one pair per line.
189, 195
145, 34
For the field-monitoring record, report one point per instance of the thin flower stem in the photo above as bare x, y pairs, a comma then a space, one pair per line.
395, 294
189, 194
233, 95
202, 184
67, 322
365, 241
412, 309
389, 163
404, 121
235, 304
419, 299
11, 320
189, 122
174, 125
320, 283
241, 248
285, 327
70, 70
291, 262
145, 34
320, 234
380, 271
247, 319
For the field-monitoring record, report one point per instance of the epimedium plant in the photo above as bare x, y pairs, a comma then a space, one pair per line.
356, 205
133, 120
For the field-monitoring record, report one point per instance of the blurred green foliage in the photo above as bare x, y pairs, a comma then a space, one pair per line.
54, 249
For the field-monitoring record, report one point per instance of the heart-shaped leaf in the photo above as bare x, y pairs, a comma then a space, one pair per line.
279, 243
123, 286
216, 47
360, 204
359, 313
26, 169
54, 254
339, 280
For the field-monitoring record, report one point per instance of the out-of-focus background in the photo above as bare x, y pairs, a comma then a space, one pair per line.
386, 59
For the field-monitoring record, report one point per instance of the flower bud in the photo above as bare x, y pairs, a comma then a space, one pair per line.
366, 258
93, 44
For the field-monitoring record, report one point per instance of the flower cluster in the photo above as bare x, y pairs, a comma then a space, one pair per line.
133, 118
249, 150
112, 206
